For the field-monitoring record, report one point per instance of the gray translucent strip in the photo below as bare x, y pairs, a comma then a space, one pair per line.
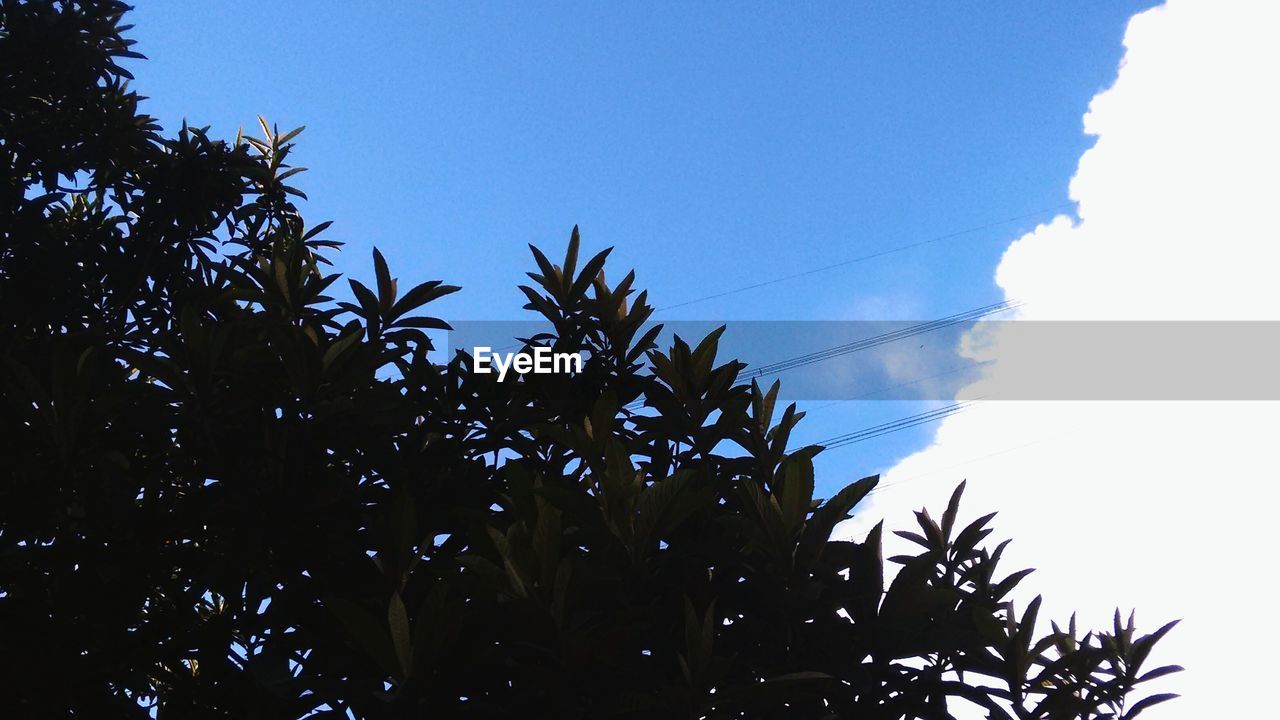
973, 358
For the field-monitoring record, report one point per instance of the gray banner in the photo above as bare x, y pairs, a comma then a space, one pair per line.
963, 357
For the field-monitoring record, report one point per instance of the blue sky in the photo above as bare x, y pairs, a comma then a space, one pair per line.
715, 145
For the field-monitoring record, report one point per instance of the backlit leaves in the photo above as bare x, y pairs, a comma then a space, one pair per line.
241, 488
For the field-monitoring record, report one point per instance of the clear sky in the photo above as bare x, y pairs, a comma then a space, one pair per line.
714, 145
717, 145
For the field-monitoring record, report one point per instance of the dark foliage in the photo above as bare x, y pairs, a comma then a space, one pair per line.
227, 495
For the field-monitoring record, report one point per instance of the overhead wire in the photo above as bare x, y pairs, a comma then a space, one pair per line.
853, 261
870, 342
893, 426
864, 258
910, 421
874, 341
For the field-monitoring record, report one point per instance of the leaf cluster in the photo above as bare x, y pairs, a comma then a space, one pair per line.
229, 492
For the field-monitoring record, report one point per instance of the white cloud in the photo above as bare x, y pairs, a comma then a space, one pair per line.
1162, 506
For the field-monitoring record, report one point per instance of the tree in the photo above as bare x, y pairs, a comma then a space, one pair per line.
229, 495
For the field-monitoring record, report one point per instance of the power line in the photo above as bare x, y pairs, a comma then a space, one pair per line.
818, 356
852, 261
864, 258
870, 342
866, 343
893, 426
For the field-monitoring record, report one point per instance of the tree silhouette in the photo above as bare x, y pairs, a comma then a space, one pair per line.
228, 495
